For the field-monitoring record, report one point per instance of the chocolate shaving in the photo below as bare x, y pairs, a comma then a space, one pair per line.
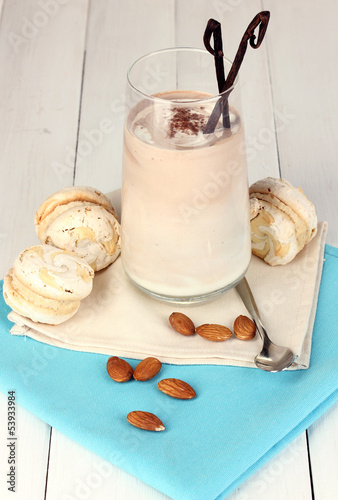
184, 120
261, 20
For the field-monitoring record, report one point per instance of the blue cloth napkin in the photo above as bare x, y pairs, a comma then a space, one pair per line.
240, 418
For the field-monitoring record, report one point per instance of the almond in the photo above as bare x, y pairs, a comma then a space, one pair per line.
145, 420
118, 369
216, 333
244, 328
182, 324
147, 369
176, 388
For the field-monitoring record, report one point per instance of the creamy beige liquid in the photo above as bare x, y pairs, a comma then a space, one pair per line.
185, 208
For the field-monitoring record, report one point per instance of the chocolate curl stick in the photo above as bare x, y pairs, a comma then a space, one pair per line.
261, 20
214, 29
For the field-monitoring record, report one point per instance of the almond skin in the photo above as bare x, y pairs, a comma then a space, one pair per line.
182, 324
118, 369
147, 369
176, 388
216, 333
145, 420
244, 328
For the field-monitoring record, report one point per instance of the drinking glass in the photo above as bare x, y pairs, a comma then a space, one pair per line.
185, 203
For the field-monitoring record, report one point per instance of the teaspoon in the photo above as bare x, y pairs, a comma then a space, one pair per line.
272, 358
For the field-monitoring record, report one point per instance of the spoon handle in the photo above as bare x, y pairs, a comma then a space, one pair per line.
248, 300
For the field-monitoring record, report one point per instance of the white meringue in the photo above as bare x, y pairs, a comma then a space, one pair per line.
283, 220
46, 284
83, 221
53, 273
31, 305
88, 231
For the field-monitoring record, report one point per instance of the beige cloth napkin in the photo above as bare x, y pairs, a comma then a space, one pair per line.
118, 319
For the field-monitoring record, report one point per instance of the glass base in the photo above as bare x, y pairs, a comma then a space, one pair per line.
189, 300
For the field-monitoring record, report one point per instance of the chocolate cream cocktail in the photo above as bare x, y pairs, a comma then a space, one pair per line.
185, 207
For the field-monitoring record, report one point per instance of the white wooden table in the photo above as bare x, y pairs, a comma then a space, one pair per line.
62, 67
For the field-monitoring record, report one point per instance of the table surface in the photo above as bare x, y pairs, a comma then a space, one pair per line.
63, 66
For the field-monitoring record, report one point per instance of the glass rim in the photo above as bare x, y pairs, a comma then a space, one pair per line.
177, 49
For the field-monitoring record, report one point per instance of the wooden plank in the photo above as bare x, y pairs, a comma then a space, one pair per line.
304, 71
75, 472
263, 120
84, 473
303, 76
256, 96
41, 57
323, 445
31, 454
118, 33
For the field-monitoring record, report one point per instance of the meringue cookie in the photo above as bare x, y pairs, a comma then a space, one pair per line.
283, 220
32, 305
53, 273
83, 221
78, 194
88, 231
273, 235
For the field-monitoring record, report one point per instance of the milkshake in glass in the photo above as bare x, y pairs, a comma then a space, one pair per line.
185, 206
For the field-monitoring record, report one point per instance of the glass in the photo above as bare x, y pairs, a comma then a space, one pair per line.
185, 203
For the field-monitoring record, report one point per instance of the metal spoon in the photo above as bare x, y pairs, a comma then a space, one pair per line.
272, 358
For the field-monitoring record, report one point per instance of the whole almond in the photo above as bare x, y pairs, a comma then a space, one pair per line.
182, 324
147, 369
216, 333
244, 328
176, 388
118, 369
145, 420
